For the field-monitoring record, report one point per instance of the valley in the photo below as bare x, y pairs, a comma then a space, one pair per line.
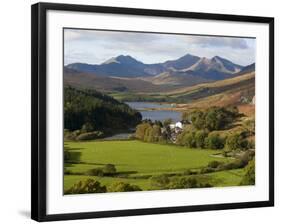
184, 123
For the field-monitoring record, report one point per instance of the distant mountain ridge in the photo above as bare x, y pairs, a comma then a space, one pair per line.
216, 68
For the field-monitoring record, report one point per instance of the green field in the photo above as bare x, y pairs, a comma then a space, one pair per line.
139, 161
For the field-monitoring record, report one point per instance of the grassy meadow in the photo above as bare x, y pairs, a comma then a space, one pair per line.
136, 162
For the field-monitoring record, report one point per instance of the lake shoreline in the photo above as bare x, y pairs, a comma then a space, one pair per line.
156, 111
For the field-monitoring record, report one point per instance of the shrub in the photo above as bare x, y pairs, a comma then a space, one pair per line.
249, 178
214, 164
207, 170
109, 169
66, 155
190, 182
95, 172
236, 164
123, 187
67, 171
160, 181
189, 172
87, 186
214, 141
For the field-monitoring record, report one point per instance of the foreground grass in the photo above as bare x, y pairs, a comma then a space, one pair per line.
139, 160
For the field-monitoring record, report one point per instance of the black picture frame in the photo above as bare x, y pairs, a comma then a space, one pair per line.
38, 108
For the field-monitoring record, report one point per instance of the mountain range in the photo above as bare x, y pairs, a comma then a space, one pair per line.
127, 66
125, 73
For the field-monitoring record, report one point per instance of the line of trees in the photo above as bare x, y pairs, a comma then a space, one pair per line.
203, 129
212, 140
157, 131
204, 124
214, 118
93, 186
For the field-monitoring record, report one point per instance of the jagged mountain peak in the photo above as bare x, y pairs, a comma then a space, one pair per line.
214, 68
182, 62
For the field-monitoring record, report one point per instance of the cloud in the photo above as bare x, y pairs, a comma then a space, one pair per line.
211, 41
70, 35
96, 46
122, 37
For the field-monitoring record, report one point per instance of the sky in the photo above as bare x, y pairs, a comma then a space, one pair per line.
96, 46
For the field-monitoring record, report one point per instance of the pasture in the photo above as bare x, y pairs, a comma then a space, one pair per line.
137, 161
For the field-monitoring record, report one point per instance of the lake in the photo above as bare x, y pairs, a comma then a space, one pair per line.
153, 115
160, 115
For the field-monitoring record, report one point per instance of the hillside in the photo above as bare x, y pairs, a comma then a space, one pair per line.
239, 90
177, 78
89, 109
111, 84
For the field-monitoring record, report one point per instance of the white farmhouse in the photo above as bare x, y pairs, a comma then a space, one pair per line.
172, 126
178, 125
176, 129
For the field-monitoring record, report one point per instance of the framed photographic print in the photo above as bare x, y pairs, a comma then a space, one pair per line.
139, 111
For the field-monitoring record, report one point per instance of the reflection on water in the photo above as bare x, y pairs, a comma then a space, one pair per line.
160, 115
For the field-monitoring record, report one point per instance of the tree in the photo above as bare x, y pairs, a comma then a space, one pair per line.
198, 119
249, 125
200, 139
141, 129
91, 110
236, 142
214, 141
214, 118
187, 138
190, 182
95, 172
156, 133
160, 181
166, 133
195, 117
148, 137
109, 169
123, 187
249, 177
85, 187
159, 123
167, 122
